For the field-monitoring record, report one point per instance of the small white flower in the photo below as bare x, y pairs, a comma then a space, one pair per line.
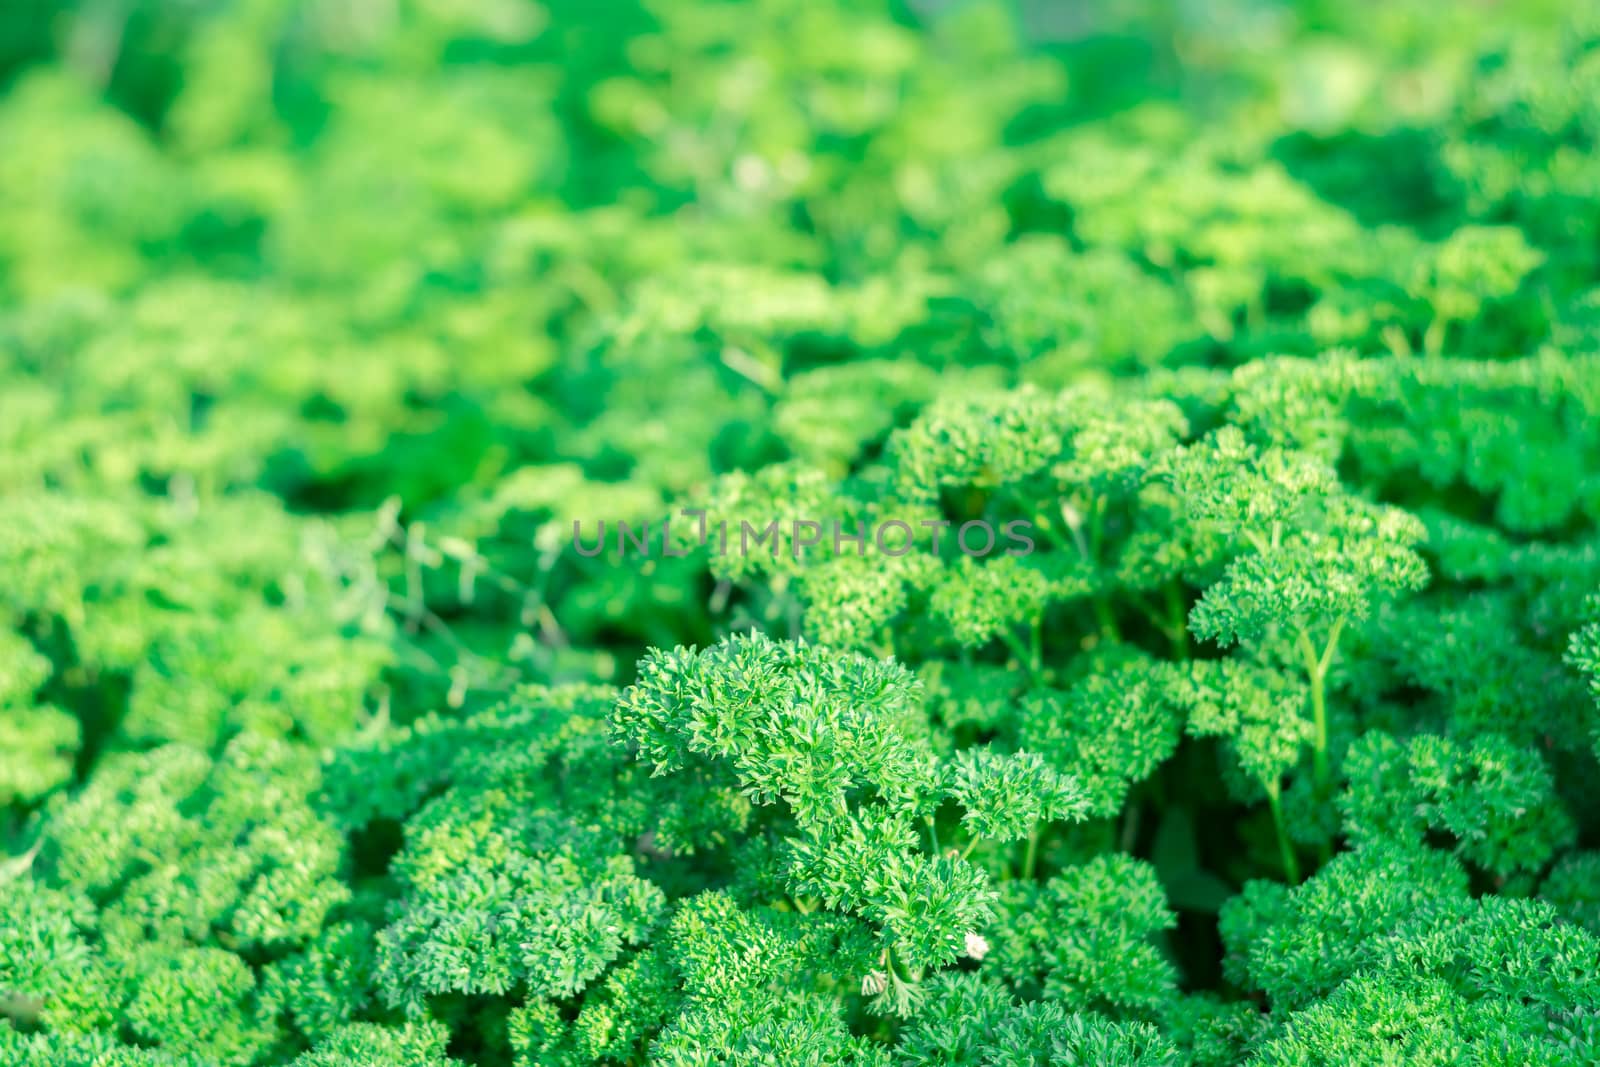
977, 947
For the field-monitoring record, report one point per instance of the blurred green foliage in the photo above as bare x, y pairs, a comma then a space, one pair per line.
323, 322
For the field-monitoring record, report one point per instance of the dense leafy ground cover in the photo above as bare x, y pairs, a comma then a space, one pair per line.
322, 323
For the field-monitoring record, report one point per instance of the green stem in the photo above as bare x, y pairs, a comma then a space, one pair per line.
972, 843
1028, 658
1317, 666
1097, 524
1031, 856
933, 833
1433, 338
1044, 526
1319, 713
1102, 610
1332, 647
1154, 616
900, 970
1324, 665
1075, 529
1131, 818
1180, 625
1291, 864
1394, 338
1107, 621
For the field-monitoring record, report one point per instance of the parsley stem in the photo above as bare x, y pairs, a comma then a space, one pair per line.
1433, 337
1131, 817
1102, 609
1179, 625
1291, 864
1028, 658
1107, 621
1317, 667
